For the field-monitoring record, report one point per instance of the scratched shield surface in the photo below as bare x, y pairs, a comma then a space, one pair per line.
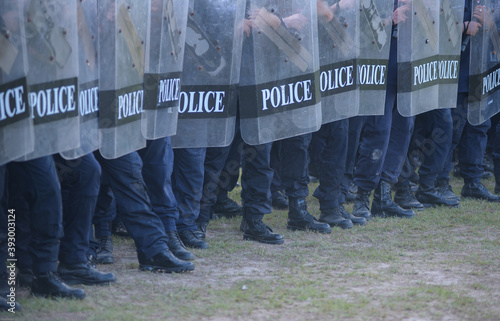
88, 80
164, 57
279, 87
122, 36
373, 54
16, 125
484, 70
338, 48
210, 75
52, 47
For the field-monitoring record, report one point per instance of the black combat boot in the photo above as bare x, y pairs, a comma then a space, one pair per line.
193, 239
256, 230
164, 261
335, 217
49, 284
479, 191
84, 273
226, 208
361, 206
105, 251
279, 201
384, 206
299, 219
356, 220
444, 188
429, 196
177, 247
404, 197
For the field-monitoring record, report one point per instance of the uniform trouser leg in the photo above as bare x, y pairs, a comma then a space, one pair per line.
294, 166
332, 162
158, 162
105, 211
471, 148
215, 160
373, 144
36, 180
80, 180
496, 153
471, 143
230, 173
124, 175
397, 150
276, 158
256, 178
187, 184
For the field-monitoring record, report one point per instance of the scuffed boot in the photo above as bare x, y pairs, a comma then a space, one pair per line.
361, 206
384, 206
299, 219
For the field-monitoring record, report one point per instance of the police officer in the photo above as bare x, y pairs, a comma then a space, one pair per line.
383, 148
34, 192
79, 190
470, 139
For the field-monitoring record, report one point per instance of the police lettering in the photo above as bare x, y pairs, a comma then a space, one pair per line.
52, 101
448, 69
491, 81
88, 101
336, 78
168, 90
372, 74
287, 94
11, 103
201, 101
434, 70
130, 104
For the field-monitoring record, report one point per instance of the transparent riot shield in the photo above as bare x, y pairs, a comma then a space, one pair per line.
375, 23
88, 86
450, 35
484, 71
122, 34
207, 109
418, 57
164, 57
16, 125
338, 44
279, 85
51, 37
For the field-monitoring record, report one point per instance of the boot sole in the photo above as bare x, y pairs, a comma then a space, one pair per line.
160, 269
385, 215
252, 238
106, 260
296, 228
76, 281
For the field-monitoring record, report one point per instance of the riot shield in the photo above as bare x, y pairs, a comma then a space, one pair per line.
164, 57
373, 54
484, 71
338, 44
450, 35
122, 34
88, 107
207, 109
51, 36
279, 85
16, 125
418, 57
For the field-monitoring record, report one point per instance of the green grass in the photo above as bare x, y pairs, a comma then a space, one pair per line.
442, 265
